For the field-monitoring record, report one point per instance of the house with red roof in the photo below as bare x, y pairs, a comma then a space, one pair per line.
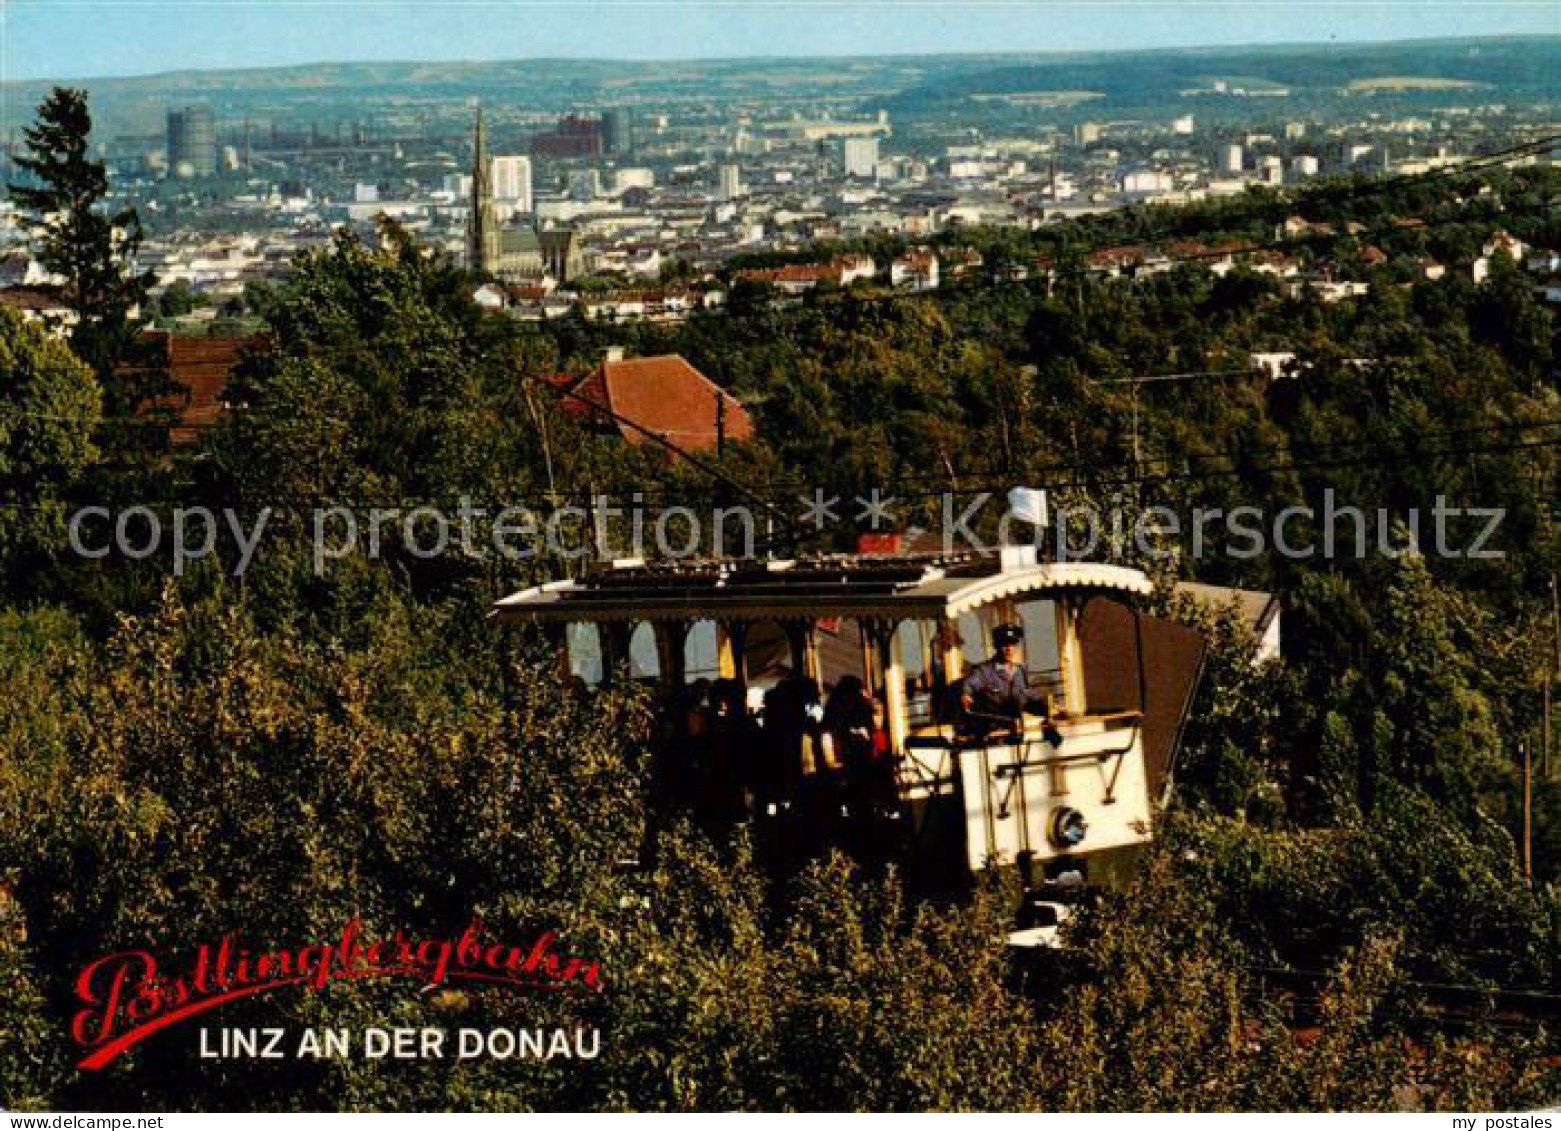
795, 278
199, 367
662, 397
40, 304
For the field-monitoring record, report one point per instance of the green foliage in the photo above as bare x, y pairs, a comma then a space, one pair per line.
373, 784
179, 299
278, 755
91, 249
49, 408
31, 1061
1305, 897
1229, 756
381, 383
198, 778
1174, 1015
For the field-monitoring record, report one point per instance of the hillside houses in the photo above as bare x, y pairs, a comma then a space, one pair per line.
799, 278
915, 270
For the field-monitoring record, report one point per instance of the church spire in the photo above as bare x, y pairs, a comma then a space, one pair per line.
482, 226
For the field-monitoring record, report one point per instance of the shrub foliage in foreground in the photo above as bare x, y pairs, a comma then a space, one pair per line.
198, 777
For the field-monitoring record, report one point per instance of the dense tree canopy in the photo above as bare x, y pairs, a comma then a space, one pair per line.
182, 757
49, 409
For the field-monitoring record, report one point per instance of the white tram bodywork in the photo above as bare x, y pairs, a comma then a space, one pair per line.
1037, 792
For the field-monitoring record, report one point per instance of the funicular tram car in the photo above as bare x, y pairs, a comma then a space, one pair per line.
750, 656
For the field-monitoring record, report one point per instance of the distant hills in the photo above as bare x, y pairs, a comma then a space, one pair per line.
1520, 67
1420, 73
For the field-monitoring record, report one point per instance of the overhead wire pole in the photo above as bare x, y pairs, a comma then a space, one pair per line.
1528, 812
1546, 721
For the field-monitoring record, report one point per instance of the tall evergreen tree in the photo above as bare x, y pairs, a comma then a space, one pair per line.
80, 240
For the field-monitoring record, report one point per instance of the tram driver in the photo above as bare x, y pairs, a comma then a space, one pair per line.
997, 694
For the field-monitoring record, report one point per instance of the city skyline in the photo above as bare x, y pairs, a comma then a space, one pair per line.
60, 39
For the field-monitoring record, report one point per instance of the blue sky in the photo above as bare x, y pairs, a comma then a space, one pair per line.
95, 38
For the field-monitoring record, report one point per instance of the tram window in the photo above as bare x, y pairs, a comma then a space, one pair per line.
585, 653
973, 641
912, 641
766, 654
644, 660
839, 644
1041, 657
701, 652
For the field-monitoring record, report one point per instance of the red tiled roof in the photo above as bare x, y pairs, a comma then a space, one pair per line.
41, 300
834, 270
593, 389
1117, 256
791, 273
563, 383
665, 396
669, 397
201, 366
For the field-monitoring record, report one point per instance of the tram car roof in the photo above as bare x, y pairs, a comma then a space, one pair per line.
902, 586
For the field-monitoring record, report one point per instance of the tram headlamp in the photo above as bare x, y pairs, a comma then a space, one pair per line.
1067, 828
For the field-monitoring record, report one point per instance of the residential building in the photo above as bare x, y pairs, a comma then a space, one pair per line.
916, 270
731, 183
663, 397
859, 156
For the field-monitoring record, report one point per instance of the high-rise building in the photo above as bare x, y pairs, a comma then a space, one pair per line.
618, 131
1086, 133
511, 184
731, 182
192, 142
1182, 125
574, 136
1230, 158
859, 155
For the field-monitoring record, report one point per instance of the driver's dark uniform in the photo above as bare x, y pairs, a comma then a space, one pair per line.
999, 695
996, 688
